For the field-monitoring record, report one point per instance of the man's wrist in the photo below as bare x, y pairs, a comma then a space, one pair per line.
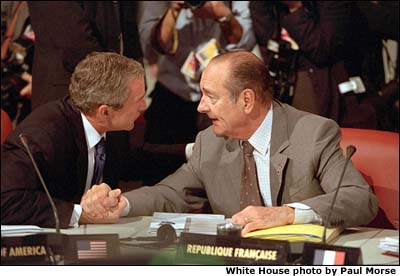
127, 208
290, 214
75, 216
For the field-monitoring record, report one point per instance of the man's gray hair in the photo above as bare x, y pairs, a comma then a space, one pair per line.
103, 78
246, 70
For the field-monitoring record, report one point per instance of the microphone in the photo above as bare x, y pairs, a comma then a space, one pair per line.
350, 150
24, 140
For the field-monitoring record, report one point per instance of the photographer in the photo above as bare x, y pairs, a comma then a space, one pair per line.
187, 34
330, 40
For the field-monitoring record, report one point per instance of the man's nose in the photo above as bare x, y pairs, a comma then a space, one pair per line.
202, 107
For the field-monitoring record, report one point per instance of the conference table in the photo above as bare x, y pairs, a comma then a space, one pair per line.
133, 232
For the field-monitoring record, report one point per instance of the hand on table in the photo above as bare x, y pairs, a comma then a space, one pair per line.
261, 217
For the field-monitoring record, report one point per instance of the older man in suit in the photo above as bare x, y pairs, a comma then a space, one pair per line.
78, 141
262, 162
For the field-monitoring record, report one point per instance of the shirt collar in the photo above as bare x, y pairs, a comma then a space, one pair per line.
261, 138
91, 134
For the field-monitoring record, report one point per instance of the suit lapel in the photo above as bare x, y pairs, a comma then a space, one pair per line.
279, 142
233, 162
80, 142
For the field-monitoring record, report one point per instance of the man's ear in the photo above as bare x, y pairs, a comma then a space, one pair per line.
248, 98
103, 111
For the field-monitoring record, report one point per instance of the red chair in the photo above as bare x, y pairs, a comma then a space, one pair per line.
377, 158
6, 125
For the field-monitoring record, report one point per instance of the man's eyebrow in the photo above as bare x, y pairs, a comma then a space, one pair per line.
207, 91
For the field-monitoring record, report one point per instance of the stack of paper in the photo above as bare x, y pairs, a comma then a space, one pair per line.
296, 232
390, 245
19, 230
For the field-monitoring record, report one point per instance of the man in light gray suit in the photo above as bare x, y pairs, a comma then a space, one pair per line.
297, 158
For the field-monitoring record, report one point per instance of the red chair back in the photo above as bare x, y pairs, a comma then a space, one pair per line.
377, 158
6, 125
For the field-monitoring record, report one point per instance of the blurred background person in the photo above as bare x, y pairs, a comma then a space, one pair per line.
382, 62
17, 46
316, 51
66, 31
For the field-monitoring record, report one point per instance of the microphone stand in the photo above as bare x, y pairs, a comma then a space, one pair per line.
58, 239
350, 150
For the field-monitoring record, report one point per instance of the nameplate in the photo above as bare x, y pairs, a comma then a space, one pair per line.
32, 249
320, 254
229, 250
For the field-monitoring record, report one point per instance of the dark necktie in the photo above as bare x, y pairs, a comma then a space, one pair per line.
249, 192
100, 160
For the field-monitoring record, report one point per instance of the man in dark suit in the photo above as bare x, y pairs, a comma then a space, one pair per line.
66, 31
106, 97
296, 162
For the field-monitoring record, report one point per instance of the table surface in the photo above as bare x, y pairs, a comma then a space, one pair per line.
129, 228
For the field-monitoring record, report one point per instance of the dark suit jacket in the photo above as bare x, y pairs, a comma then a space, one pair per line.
305, 164
58, 144
66, 31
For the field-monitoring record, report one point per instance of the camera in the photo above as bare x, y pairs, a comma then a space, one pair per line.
280, 65
194, 4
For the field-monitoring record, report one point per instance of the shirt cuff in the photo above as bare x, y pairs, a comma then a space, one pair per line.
76, 214
189, 150
304, 214
125, 212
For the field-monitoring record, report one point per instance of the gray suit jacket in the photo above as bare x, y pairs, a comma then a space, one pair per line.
305, 165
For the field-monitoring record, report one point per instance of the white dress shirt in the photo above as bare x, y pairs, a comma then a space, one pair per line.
92, 138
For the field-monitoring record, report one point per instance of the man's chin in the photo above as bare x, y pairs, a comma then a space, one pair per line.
218, 132
129, 128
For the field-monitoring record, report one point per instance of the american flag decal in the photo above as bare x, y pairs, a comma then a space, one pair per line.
88, 249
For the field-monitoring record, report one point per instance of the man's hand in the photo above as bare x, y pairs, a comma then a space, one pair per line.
212, 10
256, 217
100, 204
27, 90
111, 217
99, 200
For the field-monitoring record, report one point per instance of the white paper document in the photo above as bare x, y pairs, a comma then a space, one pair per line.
19, 230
